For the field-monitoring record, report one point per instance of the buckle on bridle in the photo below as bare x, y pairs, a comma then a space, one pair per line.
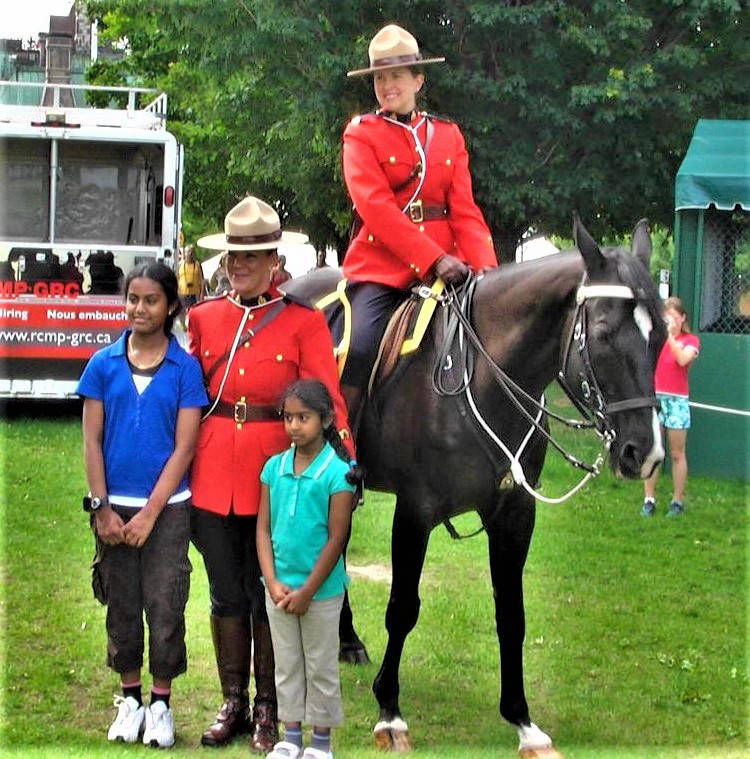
416, 212
240, 412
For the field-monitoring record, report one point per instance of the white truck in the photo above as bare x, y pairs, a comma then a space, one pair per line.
85, 194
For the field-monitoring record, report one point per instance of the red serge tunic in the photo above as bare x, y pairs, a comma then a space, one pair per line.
295, 345
378, 156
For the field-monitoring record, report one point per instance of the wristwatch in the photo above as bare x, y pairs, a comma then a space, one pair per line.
93, 502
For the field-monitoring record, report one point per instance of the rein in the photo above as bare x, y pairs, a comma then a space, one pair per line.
594, 410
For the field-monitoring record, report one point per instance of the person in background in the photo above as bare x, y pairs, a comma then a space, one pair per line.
141, 411
190, 281
671, 385
251, 344
304, 518
280, 274
219, 282
407, 173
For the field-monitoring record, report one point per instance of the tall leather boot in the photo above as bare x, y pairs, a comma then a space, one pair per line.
265, 718
231, 636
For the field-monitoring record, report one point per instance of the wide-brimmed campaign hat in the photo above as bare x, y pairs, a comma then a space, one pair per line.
251, 225
391, 48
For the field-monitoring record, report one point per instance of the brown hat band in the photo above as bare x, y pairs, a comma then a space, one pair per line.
396, 59
253, 239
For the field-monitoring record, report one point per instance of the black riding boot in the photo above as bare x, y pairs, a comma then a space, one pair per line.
353, 397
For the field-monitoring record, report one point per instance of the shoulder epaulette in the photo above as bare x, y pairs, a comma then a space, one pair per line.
363, 118
439, 117
209, 299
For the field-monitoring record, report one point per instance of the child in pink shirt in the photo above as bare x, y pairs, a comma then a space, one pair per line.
671, 385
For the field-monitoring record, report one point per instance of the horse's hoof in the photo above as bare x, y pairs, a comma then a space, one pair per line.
543, 752
353, 654
392, 736
401, 742
382, 739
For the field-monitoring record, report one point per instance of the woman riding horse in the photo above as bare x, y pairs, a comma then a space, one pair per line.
407, 173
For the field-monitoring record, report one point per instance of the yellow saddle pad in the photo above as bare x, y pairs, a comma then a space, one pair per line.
326, 290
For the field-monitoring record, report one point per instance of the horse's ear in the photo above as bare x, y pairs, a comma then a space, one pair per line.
592, 256
641, 245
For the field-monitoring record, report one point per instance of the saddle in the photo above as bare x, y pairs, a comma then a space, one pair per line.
325, 289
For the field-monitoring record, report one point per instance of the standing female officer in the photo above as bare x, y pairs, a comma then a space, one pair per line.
251, 344
407, 173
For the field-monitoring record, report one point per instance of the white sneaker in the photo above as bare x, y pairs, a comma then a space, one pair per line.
316, 753
159, 731
128, 722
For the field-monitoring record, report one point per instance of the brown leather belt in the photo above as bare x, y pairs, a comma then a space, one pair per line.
245, 412
418, 212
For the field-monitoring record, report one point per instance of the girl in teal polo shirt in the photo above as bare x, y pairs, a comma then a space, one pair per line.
303, 521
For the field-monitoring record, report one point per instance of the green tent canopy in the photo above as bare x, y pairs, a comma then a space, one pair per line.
716, 168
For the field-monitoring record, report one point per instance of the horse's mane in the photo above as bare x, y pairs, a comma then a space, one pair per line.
566, 267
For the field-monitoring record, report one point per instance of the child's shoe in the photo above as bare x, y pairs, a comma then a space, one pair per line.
316, 753
285, 750
675, 509
159, 731
128, 723
649, 507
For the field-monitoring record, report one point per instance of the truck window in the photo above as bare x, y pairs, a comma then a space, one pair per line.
24, 189
106, 193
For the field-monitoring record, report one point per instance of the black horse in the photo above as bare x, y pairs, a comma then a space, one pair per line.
592, 315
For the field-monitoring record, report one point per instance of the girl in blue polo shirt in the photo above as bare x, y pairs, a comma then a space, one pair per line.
303, 520
141, 411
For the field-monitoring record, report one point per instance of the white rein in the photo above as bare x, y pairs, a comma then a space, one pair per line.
516, 469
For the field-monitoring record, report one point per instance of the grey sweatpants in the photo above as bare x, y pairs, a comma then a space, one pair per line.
306, 649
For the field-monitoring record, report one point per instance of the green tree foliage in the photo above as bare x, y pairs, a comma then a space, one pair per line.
565, 105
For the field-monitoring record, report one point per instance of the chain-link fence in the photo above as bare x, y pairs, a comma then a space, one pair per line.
725, 301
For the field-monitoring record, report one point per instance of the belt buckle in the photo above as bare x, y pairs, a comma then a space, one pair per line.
416, 212
240, 412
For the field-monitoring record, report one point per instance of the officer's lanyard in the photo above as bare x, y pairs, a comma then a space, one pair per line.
235, 343
422, 151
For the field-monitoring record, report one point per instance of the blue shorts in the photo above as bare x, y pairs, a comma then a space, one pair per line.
674, 413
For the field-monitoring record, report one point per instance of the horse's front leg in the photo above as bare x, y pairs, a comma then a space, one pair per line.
408, 547
509, 535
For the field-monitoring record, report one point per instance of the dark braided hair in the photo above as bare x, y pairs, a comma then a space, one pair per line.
314, 394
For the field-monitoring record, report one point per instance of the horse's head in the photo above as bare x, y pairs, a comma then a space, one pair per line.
617, 332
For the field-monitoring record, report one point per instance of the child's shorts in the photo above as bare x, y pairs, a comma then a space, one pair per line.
674, 413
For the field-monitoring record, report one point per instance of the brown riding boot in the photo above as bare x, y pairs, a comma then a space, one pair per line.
231, 637
265, 718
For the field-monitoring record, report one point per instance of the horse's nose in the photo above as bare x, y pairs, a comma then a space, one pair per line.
630, 459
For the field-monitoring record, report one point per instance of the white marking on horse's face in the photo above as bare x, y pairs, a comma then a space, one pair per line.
643, 320
656, 454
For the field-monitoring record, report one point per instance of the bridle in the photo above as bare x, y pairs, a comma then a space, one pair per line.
594, 408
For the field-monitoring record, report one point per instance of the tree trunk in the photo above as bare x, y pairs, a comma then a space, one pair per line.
506, 239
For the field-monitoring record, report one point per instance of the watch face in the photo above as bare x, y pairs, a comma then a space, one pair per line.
91, 503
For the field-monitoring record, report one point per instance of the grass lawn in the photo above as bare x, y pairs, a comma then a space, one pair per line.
636, 641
